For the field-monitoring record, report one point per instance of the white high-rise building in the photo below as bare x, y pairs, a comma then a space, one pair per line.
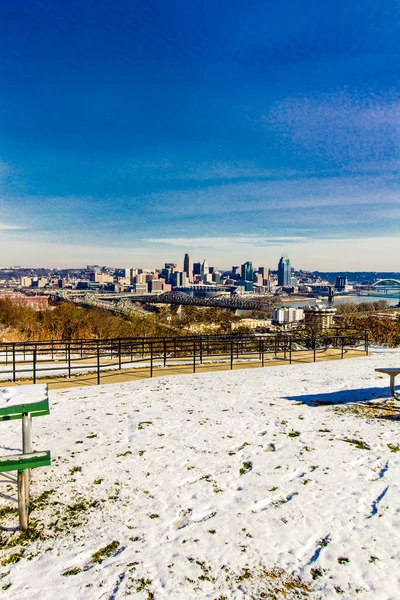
204, 268
287, 315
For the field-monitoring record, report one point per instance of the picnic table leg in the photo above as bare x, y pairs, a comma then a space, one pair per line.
22, 501
392, 388
27, 449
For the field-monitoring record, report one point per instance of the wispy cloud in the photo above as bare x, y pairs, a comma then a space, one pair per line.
7, 227
340, 126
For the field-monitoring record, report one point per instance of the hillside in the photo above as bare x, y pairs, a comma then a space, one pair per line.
274, 483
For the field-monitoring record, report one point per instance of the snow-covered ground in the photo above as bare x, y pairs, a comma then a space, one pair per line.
262, 483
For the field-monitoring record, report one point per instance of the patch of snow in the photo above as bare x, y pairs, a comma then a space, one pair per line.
281, 481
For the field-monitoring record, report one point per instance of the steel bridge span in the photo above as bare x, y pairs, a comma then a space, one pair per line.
179, 298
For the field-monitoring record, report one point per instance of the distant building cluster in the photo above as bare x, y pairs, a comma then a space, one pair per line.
196, 278
281, 285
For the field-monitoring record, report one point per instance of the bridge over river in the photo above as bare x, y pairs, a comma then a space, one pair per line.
181, 299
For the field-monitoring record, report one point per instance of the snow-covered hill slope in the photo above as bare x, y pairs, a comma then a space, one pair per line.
274, 483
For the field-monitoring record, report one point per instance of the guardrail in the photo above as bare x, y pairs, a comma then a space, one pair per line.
37, 360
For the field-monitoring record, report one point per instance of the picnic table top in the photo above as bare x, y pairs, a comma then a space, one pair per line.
14, 401
389, 371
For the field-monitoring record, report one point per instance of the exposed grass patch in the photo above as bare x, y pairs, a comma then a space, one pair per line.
75, 470
393, 447
105, 552
246, 467
358, 444
73, 571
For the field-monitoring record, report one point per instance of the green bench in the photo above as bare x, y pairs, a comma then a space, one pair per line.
392, 374
24, 402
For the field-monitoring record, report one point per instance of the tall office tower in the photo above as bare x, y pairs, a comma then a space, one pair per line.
264, 271
284, 271
235, 272
247, 271
196, 268
204, 268
188, 267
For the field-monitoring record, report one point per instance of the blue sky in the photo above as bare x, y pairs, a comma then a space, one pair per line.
132, 131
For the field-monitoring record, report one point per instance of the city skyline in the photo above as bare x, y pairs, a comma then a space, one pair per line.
131, 132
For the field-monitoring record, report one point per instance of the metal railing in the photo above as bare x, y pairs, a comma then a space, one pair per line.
44, 359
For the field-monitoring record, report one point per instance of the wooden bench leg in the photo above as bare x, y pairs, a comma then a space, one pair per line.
22, 500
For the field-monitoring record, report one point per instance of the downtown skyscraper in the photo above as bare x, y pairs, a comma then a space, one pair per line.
188, 266
284, 271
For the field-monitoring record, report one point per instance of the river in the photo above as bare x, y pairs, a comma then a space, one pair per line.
338, 300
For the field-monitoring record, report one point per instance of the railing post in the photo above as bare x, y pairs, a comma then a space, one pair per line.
194, 356
231, 355
119, 355
69, 359
366, 343
313, 340
201, 350
262, 352
165, 352
342, 347
98, 363
290, 351
151, 359
14, 366
34, 365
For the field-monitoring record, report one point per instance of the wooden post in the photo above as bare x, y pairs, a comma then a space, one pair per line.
14, 366
194, 356
119, 355
342, 346
201, 350
290, 351
313, 341
98, 364
262, 352
165, 352
151, 359
231, 355
366, 343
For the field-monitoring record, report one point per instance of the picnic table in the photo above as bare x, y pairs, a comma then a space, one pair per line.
24, 402
392, 372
